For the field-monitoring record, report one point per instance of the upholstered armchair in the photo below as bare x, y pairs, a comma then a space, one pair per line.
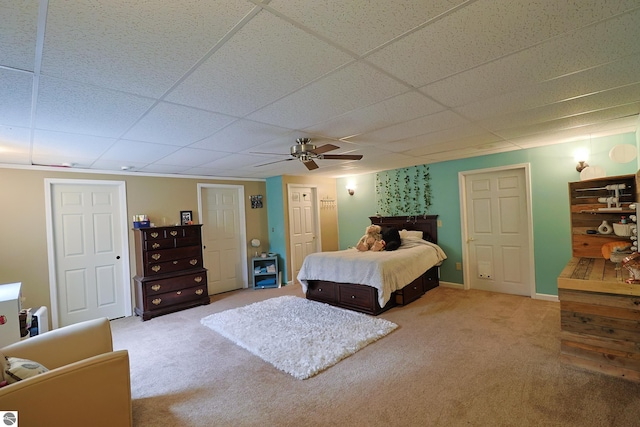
87, 382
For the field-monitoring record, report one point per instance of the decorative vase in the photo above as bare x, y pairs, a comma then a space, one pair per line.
605, 228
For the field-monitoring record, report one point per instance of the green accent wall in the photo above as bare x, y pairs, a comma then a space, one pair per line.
552, 167
275, 218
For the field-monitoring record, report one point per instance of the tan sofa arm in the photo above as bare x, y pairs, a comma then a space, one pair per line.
93, 392
65, 345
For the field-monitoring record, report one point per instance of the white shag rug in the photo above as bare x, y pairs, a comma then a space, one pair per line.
296, 335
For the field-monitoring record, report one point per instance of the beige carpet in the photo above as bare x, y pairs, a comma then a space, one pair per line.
458, 358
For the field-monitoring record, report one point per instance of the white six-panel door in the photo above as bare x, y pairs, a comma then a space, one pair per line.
90, 254
303, 226
497, 232
223, 237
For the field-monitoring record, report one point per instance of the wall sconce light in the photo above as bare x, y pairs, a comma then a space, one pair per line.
351, 188
581, 156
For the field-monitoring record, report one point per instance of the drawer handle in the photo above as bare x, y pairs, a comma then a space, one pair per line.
156, 256
175, 262
156, 268
157, 301
179, 293
193, 262
155, 245
156, 288
154, 235
415, 287
197, 279
173, 233
199, 291
353, 297
319, 289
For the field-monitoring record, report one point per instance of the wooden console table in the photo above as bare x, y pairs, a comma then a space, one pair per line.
600, 318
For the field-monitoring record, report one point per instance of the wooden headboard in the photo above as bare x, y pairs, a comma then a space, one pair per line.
428, 224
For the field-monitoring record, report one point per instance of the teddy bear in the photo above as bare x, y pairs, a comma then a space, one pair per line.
372, 240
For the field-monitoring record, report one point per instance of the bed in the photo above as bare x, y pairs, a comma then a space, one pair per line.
372, 282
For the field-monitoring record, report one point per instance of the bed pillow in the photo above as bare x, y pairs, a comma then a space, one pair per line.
411, 234
15, 369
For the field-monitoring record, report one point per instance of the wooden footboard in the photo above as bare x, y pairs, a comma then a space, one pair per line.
364, 298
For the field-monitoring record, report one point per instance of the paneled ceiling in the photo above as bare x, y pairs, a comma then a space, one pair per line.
200, 87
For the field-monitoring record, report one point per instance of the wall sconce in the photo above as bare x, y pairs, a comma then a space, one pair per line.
581, 156
351, 188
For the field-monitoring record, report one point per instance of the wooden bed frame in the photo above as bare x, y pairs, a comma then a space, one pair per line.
364, 298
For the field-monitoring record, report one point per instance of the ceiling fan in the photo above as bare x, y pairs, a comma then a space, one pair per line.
306, 152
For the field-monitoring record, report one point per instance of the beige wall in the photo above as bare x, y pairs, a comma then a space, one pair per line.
326, 188
23, 238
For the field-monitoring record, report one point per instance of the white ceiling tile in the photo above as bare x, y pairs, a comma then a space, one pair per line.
14, 145
176, 125
402, 107
596, 45
420, 126
190, 157
82, 150
138, 47
608, 76
116, 165
241, 135
15, 93
444, 140
361, 28
78, 108
484, 31
232, 80
571, 107
562, 124
138, 152
18, 21
355, 86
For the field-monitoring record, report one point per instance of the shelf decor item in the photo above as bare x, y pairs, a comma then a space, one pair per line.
605, 228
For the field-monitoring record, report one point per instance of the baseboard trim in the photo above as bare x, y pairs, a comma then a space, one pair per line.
451, 285
546, 297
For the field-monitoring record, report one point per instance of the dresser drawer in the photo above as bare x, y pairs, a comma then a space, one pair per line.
321, 291
160, 286
158, 244
363, 297
160, 301
431, 278
172, 266
411, 292
154, 257
187, 241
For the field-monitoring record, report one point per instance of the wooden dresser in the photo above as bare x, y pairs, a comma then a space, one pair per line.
169, 270
600, 318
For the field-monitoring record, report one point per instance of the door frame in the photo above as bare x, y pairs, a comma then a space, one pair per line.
243, 223
462, 175
124, 235
316, 225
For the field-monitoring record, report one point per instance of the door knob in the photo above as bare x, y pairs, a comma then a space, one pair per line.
470, 239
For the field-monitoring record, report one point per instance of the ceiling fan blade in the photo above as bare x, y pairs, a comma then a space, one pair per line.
311, 165
270, 163
342, 156
325, 148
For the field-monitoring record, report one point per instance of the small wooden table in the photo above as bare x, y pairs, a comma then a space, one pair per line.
600, 318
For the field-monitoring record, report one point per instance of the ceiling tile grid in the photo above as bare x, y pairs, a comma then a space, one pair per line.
225, 87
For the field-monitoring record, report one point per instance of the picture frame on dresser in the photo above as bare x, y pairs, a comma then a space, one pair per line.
186, 217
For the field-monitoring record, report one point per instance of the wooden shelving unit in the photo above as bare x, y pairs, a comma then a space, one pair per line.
587, 212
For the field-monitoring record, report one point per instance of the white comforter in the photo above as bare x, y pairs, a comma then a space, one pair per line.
385, 271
